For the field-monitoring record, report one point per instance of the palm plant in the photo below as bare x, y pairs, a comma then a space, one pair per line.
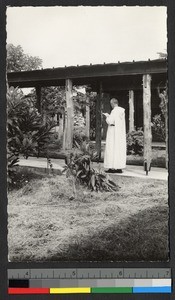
79, 166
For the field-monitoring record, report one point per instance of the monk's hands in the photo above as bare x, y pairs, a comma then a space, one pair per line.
105, 114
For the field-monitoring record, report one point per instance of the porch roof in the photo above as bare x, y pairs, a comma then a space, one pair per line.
92, 74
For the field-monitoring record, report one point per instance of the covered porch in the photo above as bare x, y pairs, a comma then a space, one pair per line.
134, 84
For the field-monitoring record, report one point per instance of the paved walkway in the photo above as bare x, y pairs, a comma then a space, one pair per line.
131, 171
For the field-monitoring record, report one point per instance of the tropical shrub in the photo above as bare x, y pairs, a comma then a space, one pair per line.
13, 130
26, 132
79, 167
135, 142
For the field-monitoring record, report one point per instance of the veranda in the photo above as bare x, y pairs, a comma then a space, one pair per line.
135, 84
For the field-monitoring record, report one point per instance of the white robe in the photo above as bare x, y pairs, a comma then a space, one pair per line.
115, 150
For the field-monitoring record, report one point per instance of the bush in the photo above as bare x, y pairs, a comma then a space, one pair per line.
26, 132
79, 168
158, 127
135, 142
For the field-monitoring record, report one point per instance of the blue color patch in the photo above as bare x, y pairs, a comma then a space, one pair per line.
159, 289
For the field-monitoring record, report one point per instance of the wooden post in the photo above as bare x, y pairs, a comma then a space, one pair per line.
87, 117
131, 110
69, 117
106, 107
147, 122
64, 129
38, 97
98, 121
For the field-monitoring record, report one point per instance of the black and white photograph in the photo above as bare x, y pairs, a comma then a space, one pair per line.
87, 134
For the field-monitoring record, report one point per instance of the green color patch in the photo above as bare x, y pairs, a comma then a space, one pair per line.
111, 290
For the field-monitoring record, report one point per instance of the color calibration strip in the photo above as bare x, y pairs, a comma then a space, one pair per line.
84, 286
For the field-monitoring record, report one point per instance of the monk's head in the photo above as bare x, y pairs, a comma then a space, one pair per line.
114, 102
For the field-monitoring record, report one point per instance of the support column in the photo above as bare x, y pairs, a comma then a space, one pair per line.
131, 110
38, 98
88, 117
98, 121
69, 117
147, 122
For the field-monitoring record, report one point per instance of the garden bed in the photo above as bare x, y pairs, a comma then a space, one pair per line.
46, 223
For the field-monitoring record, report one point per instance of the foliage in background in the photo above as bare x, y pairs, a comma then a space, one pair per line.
79, 120
93, 100
53, 100
17, 60
162, 55
80, 102
158, 127
158, 123
79, 136
135, 142
79, 168
163, 100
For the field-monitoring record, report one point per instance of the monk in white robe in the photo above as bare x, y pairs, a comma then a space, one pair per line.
115, 151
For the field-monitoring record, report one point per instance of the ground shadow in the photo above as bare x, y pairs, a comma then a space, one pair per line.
141, 237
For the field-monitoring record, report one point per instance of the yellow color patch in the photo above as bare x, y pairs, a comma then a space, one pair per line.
70, 290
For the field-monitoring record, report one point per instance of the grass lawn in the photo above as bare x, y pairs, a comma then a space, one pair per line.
47, 224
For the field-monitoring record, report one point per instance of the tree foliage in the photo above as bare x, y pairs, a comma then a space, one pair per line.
162, 55
17, 60
53, 100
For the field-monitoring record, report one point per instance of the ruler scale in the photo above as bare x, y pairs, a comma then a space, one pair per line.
89, 280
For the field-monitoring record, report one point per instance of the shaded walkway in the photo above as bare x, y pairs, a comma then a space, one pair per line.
131, 170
